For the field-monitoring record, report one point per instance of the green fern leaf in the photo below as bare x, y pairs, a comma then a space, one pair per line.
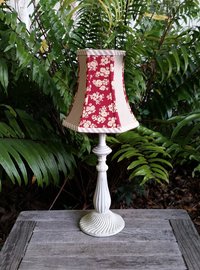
160, 160
32, 156
8, 165
185, 57
170, 69
3, 74
141, 161
142, 171
187, 120
18, 161
129, 154
176, 57
6, 131
14, 124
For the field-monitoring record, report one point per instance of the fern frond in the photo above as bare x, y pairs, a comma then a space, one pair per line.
147, 158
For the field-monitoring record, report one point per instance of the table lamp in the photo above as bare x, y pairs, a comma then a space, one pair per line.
101, 106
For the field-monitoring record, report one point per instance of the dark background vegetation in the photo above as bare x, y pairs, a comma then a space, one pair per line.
45, 166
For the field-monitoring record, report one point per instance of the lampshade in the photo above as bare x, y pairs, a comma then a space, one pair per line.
101, 104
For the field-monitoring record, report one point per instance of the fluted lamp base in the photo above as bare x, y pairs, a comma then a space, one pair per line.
102, 224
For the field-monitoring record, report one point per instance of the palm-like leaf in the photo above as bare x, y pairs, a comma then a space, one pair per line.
39, 151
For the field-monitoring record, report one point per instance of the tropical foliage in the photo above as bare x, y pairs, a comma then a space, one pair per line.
38, 71
24, 141
146, 155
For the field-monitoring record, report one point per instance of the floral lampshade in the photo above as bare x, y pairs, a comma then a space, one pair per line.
101, 104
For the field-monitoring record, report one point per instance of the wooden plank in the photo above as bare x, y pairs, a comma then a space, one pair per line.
109, 263
52, 215
15, 245
91, 249
188, 241
129, 214
158, 214
73, 225
124, 236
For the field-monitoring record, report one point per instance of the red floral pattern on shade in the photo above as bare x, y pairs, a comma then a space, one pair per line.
99, 110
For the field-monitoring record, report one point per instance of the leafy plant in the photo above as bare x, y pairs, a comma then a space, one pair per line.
185, 133
32, 148
161, 77
146, 159
29, 149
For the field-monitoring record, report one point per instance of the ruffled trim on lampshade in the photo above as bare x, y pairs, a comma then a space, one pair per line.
100, 52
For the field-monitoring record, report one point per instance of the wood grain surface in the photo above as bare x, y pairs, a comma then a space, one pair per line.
153, 239
15, 246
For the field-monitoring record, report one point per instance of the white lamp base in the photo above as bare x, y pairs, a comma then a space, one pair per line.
102, 224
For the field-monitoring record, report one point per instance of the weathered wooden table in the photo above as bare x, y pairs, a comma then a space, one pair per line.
151, 240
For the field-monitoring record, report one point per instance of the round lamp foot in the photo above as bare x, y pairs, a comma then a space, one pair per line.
102, 224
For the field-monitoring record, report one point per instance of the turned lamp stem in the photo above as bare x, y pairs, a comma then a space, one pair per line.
102, 198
